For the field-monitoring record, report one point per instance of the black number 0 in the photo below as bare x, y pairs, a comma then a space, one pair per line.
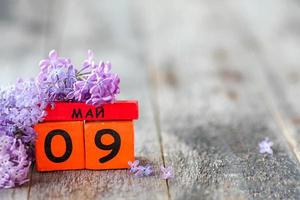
47, 146
114, 147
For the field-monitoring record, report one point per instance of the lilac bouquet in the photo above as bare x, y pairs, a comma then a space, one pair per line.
93, 84
20, 109
23, 105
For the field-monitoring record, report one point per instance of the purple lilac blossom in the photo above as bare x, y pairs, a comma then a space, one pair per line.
143, 171
56, 78
167, 172
14, 162
20, 109
140, 171
22, 106
133, 166
96, 86
265, 146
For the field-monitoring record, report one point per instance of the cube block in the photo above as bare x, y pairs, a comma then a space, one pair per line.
59, 146
81, 136
108, 145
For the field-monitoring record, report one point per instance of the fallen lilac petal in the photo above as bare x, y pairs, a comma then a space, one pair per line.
148, 170
167, 173
139, 173
265, 146
133, 166
143, 171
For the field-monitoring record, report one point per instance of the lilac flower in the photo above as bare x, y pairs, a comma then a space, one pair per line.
265, 146
147, 170
104, 85
167, 172
133, 166
93, 84
14, 162
98, 85
53, 60
20, 109
56, 78
140, 171
89, 62
144, 171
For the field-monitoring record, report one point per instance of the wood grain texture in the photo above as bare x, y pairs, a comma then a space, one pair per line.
211, 105
108, 184
279, 54
212, 78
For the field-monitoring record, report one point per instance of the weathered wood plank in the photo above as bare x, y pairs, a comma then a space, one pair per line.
280, 57
213, 56
114, 39
211, 105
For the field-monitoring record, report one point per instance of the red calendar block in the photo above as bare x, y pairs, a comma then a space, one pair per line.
101, 138
108, 145
72, 111
59, 146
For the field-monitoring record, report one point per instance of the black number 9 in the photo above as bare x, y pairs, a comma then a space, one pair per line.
114, 147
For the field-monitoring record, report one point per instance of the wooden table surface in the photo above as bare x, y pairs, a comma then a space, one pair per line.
213, 79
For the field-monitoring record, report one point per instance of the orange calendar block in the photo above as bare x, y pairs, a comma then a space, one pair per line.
104, 141
59, 146
109, 144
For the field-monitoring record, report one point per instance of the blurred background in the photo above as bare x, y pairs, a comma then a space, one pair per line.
145, 33
30, 29
175, 41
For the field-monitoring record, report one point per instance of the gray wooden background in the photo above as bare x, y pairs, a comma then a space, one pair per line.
213, 78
